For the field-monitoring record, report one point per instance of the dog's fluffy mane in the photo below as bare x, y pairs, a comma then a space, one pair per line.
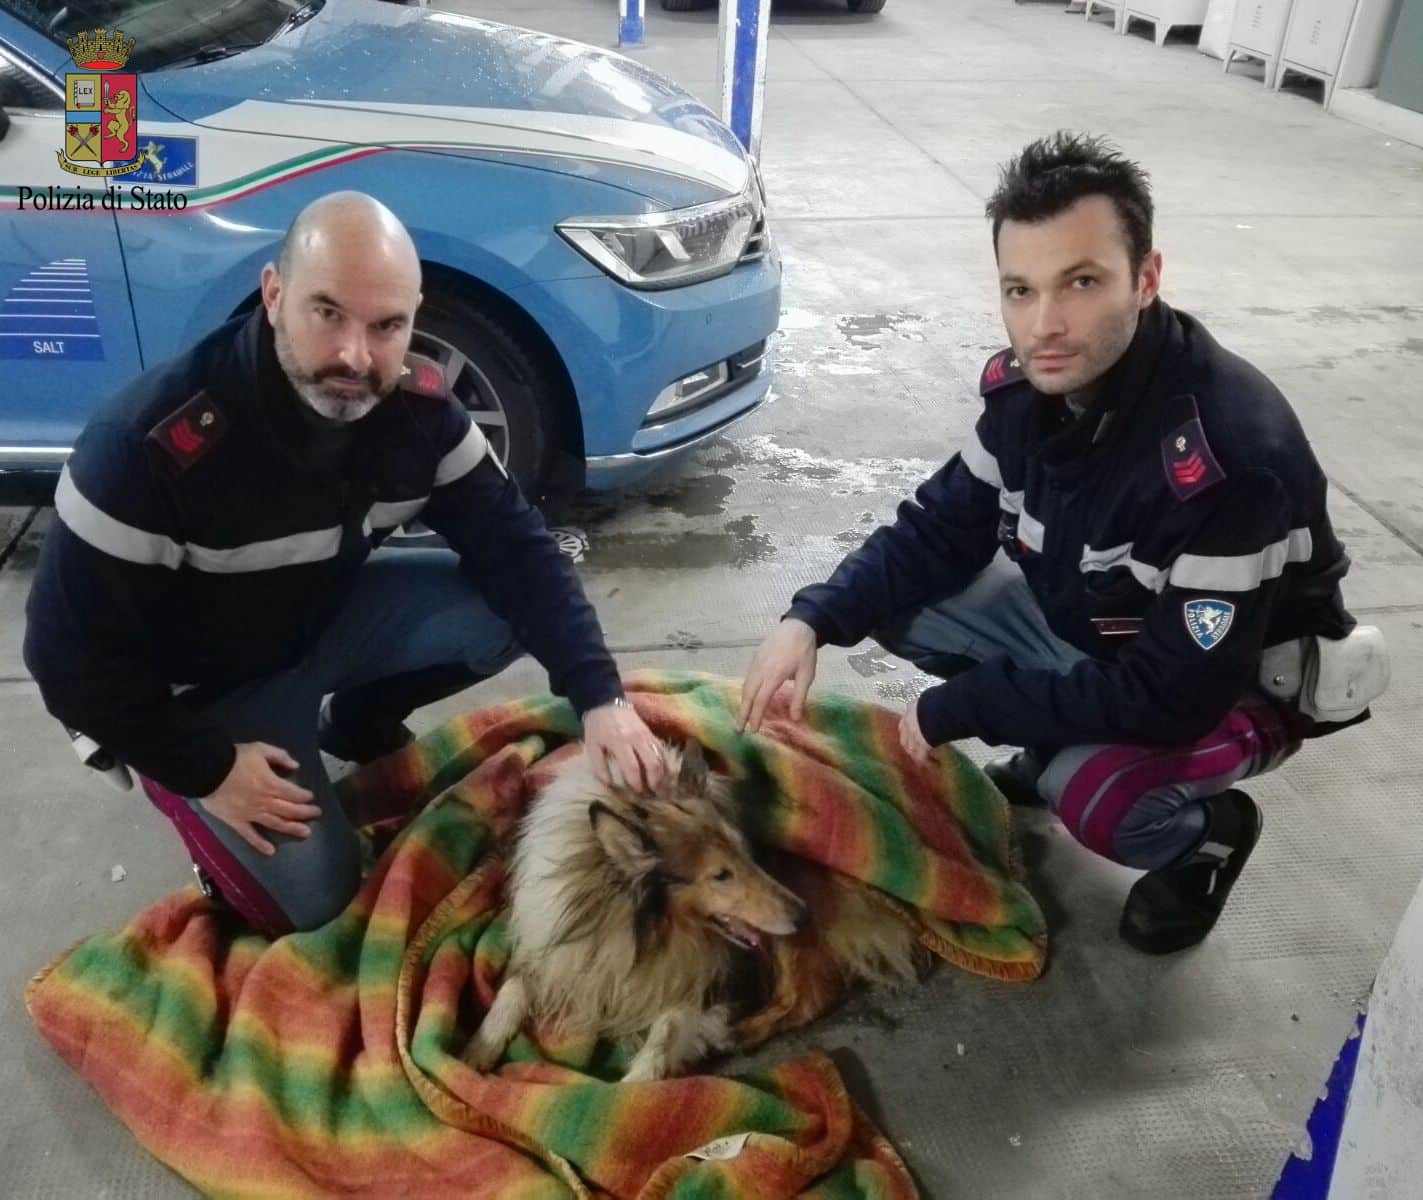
598, 951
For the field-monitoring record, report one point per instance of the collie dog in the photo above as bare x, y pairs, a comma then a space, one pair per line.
638, 915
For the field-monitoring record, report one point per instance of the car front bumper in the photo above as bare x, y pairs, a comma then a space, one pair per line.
677, 438
624, 348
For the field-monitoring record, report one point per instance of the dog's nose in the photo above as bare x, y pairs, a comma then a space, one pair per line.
802, 918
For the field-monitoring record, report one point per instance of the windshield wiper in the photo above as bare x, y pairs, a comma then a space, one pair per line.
300, 17
212, 53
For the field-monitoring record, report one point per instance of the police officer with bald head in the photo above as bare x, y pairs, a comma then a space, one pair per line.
211, 577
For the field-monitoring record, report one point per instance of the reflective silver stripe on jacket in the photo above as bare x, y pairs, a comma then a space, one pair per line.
387, 514
90, 523
314, 545
1207, 572
1241, 572
466, 455
1151, 578
144, 548
981, 465
1030, 531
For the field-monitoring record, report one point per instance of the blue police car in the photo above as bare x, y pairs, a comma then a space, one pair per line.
599, 281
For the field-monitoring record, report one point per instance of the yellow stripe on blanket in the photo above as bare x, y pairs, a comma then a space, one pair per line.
326, 1062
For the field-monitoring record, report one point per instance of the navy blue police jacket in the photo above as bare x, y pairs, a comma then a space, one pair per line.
1171, 531
202, 540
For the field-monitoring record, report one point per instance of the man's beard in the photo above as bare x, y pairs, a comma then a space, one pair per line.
1093, 358
334, 404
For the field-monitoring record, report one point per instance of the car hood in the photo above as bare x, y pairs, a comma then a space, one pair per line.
372, 72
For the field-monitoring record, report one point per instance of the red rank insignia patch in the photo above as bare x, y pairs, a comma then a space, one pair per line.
1190, 465
190, 432
1000, 370
423, 376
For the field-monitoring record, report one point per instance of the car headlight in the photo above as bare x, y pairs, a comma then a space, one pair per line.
760, 180
670, 249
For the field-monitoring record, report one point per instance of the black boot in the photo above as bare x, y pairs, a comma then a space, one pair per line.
1016, 776
1175, 906
367, 722
360, 747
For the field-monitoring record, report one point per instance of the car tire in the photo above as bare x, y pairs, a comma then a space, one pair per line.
496, 378
865, 6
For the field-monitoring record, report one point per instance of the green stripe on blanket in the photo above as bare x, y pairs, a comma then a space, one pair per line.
327, 1061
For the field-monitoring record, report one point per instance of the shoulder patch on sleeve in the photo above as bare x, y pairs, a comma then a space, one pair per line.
191, 432
1208, 621
424, 377
1190, 465
1000, 370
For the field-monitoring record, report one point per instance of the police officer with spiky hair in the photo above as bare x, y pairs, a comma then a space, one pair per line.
1165, 616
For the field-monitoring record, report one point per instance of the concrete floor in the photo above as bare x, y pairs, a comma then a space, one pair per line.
1295, 236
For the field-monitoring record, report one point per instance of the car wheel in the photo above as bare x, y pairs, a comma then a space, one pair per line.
495, 378
866, 6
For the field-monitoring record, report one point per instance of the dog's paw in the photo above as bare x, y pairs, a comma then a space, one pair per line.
482, 1054
645, 1069
717, 1031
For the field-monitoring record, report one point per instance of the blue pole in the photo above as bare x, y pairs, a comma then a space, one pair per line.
744, 28
630, 22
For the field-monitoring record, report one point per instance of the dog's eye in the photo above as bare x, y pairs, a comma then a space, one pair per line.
722, 876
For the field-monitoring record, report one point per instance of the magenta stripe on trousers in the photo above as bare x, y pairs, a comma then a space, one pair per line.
1253, 734
242, 891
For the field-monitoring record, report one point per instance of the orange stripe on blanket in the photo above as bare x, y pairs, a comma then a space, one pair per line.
328, 1061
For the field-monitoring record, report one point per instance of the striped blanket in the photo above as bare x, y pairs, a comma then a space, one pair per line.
327, 1062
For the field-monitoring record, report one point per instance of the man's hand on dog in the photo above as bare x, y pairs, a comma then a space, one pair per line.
615, 732
254, 794
911, 737
787, 653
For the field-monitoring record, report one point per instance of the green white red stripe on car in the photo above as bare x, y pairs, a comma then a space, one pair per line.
244, 149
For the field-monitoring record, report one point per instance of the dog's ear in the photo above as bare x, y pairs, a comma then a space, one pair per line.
628, 845
693, 775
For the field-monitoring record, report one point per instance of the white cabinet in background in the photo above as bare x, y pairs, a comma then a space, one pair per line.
1314, 40
1163, 14
1258, 31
